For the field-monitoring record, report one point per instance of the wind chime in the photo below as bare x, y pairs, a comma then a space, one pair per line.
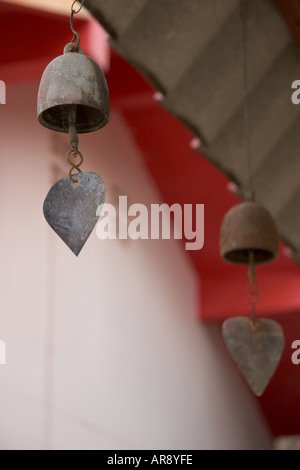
73, 98
249, 237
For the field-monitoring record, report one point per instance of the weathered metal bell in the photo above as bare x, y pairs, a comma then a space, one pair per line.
249, 227
73, 79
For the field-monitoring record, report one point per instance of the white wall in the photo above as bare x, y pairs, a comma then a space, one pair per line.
104, 351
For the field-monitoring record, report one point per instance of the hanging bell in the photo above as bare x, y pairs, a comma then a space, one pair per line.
73, 79
73, 98
248, 227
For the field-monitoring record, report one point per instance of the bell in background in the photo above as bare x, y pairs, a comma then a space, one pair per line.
249, 236
73, 79
249, 227
73, 98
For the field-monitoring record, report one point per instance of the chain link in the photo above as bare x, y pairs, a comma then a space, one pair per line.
71, 156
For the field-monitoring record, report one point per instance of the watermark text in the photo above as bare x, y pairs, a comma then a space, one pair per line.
2, 92
296, 354
161, 221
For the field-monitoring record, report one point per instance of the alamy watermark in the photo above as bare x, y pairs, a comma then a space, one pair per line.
2, 92
296, 354
296, 94
156, 223
2, 353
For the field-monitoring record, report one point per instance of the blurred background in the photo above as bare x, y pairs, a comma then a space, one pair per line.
121, 348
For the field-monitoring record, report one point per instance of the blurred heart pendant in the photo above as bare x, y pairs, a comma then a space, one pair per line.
256, 346
70, 208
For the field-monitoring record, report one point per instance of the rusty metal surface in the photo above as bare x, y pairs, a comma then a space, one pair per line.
70, 209
256, 347
73, 79
248, 227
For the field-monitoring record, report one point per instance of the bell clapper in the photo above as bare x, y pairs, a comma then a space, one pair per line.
253, 296
73, 137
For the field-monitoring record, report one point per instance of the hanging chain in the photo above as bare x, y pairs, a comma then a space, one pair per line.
73, 138
253, 286
71, 156
253, 295
249, 193
74, 12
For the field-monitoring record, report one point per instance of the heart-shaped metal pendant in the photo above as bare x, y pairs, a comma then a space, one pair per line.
70, 208
256, 346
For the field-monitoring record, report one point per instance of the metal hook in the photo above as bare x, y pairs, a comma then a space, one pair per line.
81, 5
74, 12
